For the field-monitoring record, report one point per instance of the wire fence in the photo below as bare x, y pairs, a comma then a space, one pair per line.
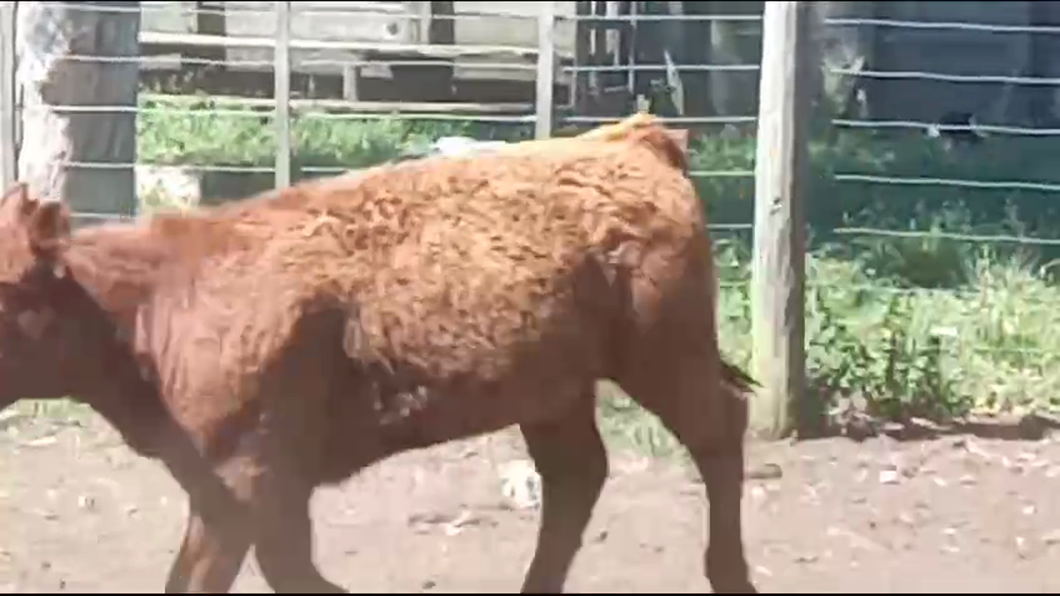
973, 262
237, 97
271, 97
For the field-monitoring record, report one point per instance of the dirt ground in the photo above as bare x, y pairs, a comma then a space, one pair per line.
79, 512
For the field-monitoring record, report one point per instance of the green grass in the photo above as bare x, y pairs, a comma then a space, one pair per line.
53, 411
216, 137
988, 347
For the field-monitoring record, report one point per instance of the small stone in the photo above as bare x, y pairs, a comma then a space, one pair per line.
10, 417
521, 484
86, 502
856, 541
1051, 538
457, 525
1032, 427
423, 523
889, 477
1021, 547
464, 520
766, 471
810, 495
42, 442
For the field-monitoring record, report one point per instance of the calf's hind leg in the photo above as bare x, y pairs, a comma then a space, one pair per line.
210, 555
216, 537
683, 392
569, 455
283, 536
269, 507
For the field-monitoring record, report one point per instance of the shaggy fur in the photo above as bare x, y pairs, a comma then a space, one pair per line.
263, 348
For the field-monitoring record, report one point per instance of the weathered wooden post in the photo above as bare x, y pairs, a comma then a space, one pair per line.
546, 69
778, 274
282, 93
78, 141
8, 127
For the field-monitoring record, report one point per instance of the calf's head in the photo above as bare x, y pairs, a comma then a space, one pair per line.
45, 340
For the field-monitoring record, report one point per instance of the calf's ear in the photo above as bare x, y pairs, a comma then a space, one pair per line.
48, 227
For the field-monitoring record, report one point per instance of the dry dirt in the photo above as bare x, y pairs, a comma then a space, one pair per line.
79, 512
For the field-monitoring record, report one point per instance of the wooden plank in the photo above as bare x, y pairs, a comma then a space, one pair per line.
778, 275
423, 12
442, 26
8, 130
430, 80
436, 22
351, 76
546, 69
443, 51
582, 56
210, 19
628, 46
282, 94
351, 106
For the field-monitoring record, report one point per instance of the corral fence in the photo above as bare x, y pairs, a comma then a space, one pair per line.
899, 132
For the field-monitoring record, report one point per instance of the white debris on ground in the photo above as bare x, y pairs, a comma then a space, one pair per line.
450, 147
462, 145
521, 484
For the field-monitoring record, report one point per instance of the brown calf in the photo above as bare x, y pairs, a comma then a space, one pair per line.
264, 348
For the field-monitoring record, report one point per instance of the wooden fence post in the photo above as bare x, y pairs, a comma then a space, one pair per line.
546, 69
778, 274
8, 140
282, 93
79, 135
